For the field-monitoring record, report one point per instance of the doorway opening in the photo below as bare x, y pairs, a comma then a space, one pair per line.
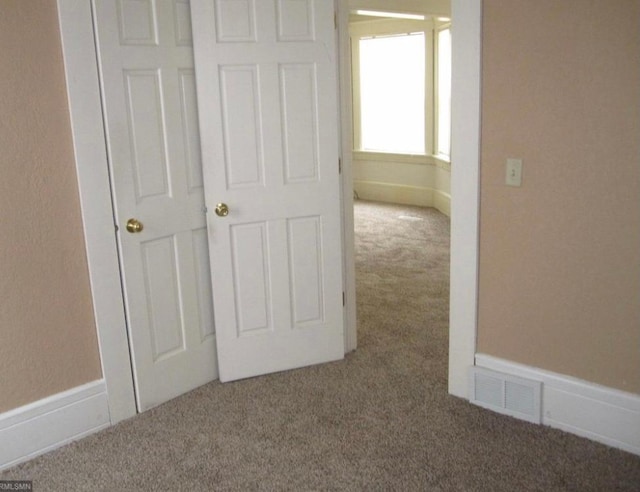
401, 84
401, 99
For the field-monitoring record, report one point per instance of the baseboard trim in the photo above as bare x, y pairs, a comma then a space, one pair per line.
600, 413
442, 201
44, 425
404, 194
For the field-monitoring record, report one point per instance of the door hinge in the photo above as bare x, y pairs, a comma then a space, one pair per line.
339, 165
335, 20
344, 299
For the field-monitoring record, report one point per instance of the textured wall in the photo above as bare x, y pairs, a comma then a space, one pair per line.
560, 257
47, 332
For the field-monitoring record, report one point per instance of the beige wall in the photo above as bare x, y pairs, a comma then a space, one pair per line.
47, 332
560, 256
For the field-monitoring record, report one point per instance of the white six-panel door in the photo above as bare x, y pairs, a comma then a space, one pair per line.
267, 92
150, 108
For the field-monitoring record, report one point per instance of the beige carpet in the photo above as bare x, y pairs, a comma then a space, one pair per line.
379, 420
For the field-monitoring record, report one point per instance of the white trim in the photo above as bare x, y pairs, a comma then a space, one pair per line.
403, 194
76, 30
600, 413
442, 202
388, 27
438, 28
423, 159
346, 136
465, 170
441, 161
368, 155
39, 427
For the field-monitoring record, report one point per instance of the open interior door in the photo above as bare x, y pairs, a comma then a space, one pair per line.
150, 112
267, 98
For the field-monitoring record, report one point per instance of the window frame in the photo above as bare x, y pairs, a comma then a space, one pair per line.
439, 26
390, 27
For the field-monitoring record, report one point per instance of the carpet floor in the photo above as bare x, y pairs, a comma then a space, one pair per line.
381, 419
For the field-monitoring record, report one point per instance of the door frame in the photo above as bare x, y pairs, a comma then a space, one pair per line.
466, 103
85, 109
88, 132
465, 184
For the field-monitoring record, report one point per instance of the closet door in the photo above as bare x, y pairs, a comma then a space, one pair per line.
150, 110
267, 92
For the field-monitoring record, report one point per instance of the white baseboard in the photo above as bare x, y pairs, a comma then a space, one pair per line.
403, 194
600, 413
442, 201
49, 423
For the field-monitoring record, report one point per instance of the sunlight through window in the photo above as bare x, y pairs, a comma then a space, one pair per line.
392, 93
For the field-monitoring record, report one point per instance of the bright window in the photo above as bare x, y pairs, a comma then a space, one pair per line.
402, 86
392, 93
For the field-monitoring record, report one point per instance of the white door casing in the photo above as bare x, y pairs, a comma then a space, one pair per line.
150, 110
267, 93
466, 103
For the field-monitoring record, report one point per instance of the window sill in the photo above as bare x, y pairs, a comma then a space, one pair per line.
368, 155
440, 161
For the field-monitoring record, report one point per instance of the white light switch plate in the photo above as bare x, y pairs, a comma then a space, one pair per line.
514, 172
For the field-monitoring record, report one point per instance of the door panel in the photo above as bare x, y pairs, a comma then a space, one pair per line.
241, 117
146, 132
235, 21
298, 98
153, 138
191, 130
182, 16
138, 22
251, 277
203, 272
159, 261
267, 90
295, 20
305, 269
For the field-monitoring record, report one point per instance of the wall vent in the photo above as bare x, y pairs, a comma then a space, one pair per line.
506, 394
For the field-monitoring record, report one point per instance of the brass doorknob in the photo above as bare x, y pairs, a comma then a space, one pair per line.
134, 225
222, 210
